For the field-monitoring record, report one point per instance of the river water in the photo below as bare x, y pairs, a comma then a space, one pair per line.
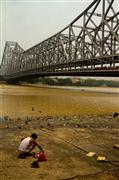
37, 101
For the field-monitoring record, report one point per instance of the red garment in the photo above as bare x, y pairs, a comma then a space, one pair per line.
41, 156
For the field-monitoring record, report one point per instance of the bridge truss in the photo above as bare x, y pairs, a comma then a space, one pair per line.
89, 45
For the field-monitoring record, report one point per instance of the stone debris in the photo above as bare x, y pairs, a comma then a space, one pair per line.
115, 114
32, 109
101, 158
116, 146
90, 154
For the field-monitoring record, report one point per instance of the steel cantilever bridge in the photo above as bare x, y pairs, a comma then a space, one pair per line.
88, 46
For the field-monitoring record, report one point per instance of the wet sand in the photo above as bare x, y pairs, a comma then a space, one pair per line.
66, 139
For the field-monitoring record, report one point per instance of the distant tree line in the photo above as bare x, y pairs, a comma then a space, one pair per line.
98, 83
70, 82
1, 78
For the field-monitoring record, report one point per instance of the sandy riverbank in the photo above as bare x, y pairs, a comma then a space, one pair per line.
89, 126
66, 141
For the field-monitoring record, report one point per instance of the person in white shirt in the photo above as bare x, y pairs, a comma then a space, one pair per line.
27, 145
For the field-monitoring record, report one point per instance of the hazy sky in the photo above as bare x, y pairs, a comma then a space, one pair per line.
30, 22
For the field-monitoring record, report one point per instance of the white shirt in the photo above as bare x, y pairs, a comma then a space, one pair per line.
25, 144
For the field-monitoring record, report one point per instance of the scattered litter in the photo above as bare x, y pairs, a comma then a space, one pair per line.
101, 158
115, 114
26, 122
116, 146
41, 126
90, 154
7, 126
19, 127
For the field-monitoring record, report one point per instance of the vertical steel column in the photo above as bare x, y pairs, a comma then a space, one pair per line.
113, 62
112, 47
70, 46
103, 25
83, 40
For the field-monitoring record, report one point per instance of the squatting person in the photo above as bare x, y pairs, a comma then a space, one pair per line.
27, 145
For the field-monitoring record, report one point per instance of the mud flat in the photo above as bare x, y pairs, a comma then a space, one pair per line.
66, 141
19, 100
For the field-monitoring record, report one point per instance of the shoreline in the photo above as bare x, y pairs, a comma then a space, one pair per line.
78, 88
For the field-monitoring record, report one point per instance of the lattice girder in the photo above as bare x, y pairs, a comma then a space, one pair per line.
89, 41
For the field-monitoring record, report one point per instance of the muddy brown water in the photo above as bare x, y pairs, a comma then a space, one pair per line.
24, 100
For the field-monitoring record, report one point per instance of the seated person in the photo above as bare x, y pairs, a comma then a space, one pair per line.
27, 145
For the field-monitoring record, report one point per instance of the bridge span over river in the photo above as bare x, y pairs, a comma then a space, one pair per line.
88, 46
